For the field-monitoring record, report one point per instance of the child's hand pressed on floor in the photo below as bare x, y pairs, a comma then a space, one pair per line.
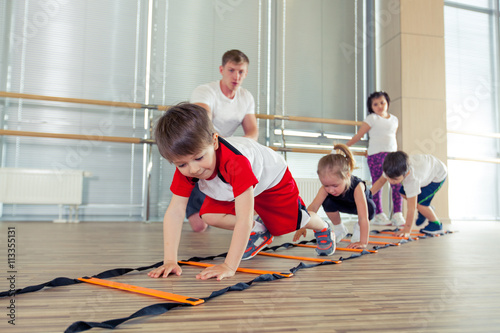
218, 271
405, 232
300, 233
357, 245
165, 269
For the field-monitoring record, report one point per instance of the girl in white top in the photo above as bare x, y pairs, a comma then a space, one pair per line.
381, 127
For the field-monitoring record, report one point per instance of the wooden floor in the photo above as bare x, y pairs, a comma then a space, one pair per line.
442, 284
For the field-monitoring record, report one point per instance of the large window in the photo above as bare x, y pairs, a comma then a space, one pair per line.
76, 49
472, 76
306, 58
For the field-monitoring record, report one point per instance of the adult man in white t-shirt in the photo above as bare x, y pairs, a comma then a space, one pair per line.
228, 105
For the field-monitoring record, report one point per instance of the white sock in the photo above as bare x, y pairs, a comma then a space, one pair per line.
338, 227
259, 227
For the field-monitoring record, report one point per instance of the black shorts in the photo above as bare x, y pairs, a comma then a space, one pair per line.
195, 201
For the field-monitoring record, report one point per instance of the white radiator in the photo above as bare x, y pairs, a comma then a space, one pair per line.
34, 186
308, 188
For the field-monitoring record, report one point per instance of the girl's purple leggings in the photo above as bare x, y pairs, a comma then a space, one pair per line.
375, 165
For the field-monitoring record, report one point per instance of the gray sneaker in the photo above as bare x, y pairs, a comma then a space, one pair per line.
257, 242
326, 242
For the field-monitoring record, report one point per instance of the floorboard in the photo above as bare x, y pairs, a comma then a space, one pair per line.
441, 284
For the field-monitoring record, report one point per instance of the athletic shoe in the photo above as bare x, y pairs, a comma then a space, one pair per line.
326, 241
340, 232
420, 222
433, 228
257, 242
380, 219
398, 219
355, 234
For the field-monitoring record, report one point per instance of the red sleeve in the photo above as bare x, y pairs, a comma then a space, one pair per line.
181, 185
239, 174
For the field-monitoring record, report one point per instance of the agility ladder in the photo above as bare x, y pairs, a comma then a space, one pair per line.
180, 300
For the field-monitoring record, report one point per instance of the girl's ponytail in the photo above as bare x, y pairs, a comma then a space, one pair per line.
340, 162
344, 150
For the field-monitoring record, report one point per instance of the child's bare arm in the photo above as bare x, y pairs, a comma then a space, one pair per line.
172, 227
313, 207
318, 200
378, 184
244, 204
410, 217
362, 208
361, 132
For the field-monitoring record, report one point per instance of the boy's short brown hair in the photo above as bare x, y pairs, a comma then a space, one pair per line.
396, 164
184, 129
235, 56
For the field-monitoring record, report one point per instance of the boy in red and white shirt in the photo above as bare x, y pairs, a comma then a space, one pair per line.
237, 175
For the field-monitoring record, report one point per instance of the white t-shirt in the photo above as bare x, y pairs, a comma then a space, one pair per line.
424, 169
241, 162
382, 133
227, 114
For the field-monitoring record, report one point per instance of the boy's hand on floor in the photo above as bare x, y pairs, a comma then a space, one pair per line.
300, 233
218, 271
357, 245
165, 269
405, 232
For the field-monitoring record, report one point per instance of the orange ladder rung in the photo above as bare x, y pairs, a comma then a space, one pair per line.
239, 269
388, 237
297, 258
374, 242
142, 290
339, 248
414, 234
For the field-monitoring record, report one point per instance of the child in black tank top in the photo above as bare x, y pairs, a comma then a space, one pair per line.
343, 192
